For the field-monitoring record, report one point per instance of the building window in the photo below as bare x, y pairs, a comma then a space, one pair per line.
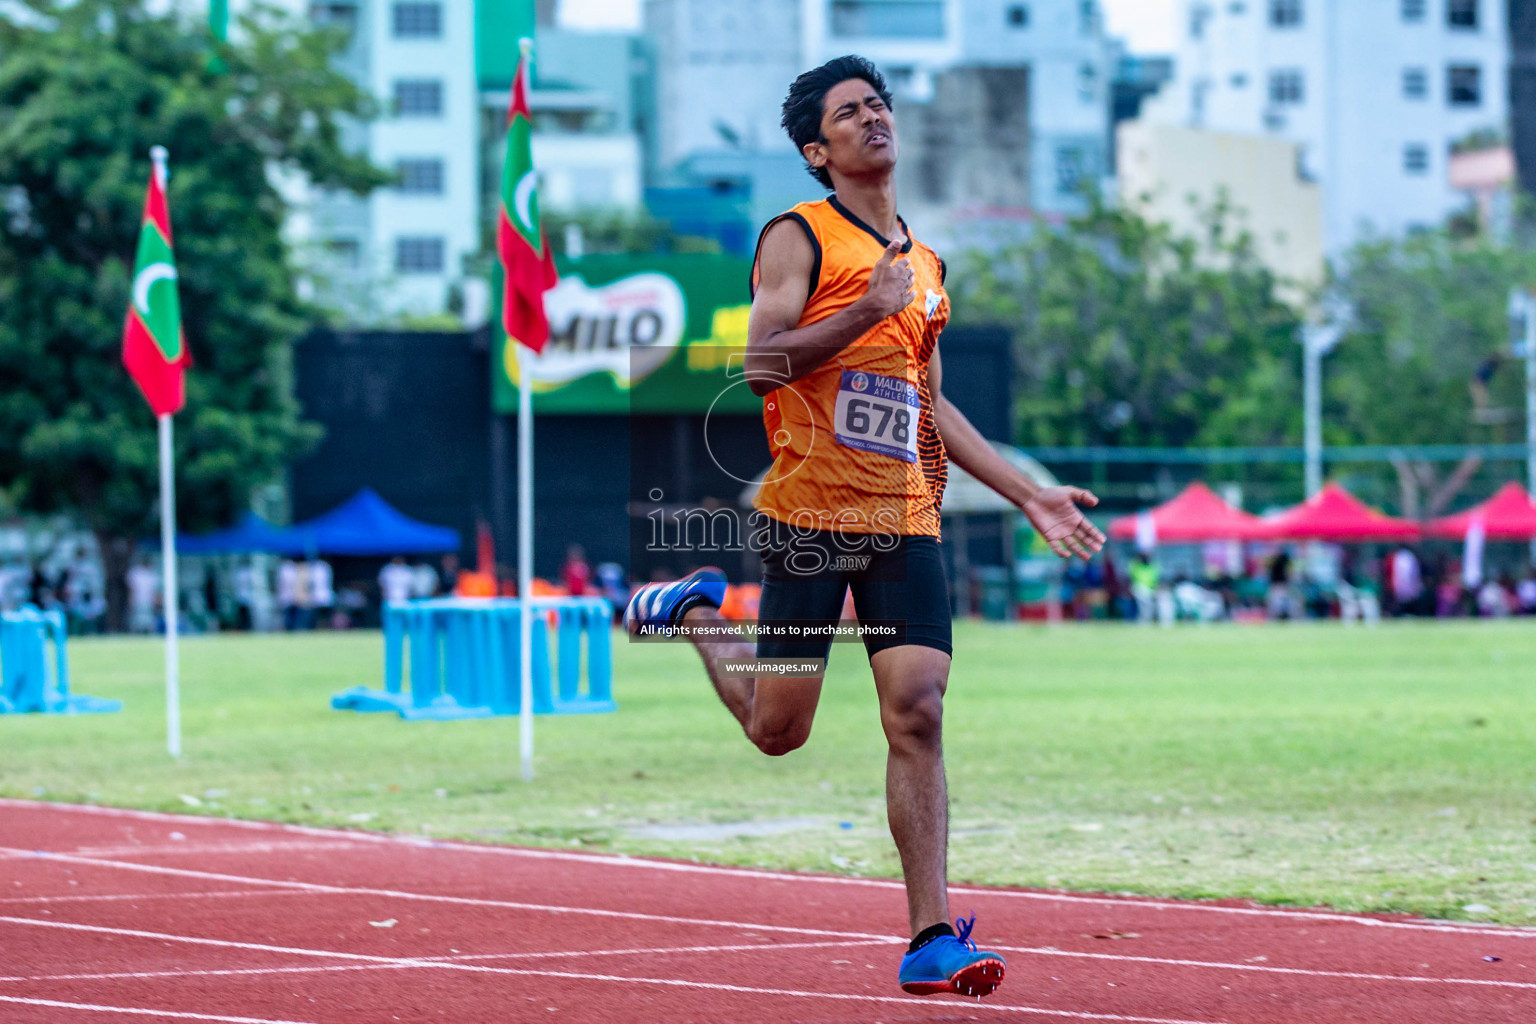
420, 177
1285, 13
1088, 17
419, 97
1087, 82
1415, 84
1285, 87
888, 19
1199, 14
1075, 165
1416, 158
1237, 8
419, 255
1413, 10
1197, 94
334, 15
1238, 81
418, 21
1069, 168
1018, 16
1464, 85
345, 251
1461, 13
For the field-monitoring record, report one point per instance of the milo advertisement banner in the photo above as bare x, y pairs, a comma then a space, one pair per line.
633, 333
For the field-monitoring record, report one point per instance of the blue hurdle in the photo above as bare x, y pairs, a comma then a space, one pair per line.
26, 683
462, 657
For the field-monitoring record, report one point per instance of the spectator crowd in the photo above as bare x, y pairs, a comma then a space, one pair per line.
1276, 586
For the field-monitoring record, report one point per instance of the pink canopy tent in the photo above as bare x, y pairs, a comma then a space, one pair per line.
1508, 515
1333, 514
1196, 515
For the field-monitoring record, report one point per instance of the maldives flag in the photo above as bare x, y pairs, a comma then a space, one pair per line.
153, 347
525, 258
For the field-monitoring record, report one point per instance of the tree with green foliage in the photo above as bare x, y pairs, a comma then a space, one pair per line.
1427, 358
1126, 335
86, 88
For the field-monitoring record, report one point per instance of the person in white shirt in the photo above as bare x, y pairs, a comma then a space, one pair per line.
1526, 592
424, 580
322, 592
143, 588
303, 597
1492, 600
13, 586
288, 592
1407, 580
396, 581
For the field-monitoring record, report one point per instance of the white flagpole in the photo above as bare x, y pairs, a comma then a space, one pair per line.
168, 575
525, 553
172, 597
525, 515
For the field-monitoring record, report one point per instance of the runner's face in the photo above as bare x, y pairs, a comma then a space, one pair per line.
859, 130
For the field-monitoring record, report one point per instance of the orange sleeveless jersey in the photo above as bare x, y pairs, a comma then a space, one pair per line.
854, 442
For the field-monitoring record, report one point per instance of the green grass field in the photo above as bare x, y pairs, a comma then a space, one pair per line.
1386, 769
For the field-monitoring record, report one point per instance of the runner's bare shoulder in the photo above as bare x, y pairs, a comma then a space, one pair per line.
786, 256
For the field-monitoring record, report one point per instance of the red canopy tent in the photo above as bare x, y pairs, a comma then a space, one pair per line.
1196, 515
1333, 514
1508, 515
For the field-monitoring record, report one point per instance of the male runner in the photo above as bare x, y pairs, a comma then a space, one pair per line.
846, 314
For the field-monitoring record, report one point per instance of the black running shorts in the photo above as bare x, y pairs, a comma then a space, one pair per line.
897, 581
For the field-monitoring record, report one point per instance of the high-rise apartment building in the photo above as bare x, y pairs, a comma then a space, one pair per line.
1377, 93
402, 249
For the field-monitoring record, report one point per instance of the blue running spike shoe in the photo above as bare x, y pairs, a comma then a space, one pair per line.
952, 963
661, 605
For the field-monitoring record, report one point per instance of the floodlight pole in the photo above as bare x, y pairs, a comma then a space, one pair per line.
1312, 409
1530, 391
1522, 318
1317, 340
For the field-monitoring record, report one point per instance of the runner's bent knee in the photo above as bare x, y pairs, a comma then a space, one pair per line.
914, 715
783, 711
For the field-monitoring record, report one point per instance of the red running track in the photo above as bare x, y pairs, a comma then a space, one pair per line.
110, 915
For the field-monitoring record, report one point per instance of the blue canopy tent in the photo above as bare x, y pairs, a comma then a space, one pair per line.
365, 525
251, 534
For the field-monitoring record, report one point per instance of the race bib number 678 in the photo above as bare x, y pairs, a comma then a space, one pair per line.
877, 414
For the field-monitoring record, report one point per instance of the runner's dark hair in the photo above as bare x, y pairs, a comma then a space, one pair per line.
802, 111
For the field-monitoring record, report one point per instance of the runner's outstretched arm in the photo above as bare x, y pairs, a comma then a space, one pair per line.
783, 268
1052, 510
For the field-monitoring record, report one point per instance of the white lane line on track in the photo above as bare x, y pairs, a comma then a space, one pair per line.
1262, 968
460, 958
624, 860
202, 849
670, 919
195, 940
451, 900
911, 1001
572, 975
676, 950
465, 900
129, 897
861, 939
141, 1012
